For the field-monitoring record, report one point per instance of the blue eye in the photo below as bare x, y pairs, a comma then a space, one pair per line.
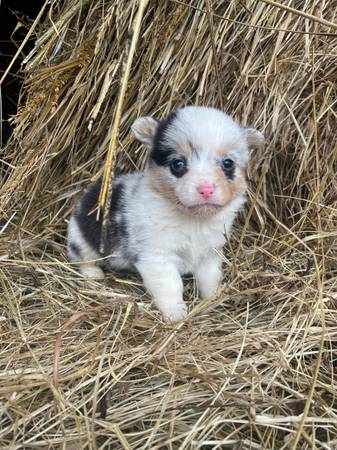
228, 164
178, 167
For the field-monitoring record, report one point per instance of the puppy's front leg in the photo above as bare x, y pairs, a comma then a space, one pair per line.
208, 274
164, 283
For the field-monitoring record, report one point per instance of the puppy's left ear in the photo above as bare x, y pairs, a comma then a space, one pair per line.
144, 129
254, 137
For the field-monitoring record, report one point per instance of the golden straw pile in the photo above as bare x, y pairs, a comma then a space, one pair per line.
87, 365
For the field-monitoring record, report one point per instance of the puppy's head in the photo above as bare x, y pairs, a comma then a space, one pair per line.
198, 157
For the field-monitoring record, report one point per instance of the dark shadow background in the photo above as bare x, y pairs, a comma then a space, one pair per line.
12, 14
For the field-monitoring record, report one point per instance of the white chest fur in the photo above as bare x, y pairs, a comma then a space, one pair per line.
160, 230
192, 241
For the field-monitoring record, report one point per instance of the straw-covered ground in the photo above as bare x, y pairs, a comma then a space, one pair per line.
90, 365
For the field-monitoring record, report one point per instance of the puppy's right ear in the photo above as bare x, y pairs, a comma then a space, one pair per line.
254, 137
144, 129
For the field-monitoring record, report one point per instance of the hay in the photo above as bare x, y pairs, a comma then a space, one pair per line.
88, 365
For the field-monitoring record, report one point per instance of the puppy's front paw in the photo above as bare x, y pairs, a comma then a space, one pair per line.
175, 313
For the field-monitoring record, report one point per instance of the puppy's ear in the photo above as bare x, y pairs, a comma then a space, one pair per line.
144, 129
254, 137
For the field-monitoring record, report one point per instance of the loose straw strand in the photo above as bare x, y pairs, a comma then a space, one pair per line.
106, 190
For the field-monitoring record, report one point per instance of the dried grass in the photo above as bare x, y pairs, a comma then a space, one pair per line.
254, 369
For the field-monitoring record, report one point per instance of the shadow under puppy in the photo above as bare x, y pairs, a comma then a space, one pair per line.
173, 217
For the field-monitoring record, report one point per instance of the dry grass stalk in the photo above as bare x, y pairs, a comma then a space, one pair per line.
255, 369
106, 190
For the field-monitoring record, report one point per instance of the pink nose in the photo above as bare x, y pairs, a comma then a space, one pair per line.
206, 190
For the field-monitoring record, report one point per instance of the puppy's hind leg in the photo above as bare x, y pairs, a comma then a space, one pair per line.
90, 270
80, 251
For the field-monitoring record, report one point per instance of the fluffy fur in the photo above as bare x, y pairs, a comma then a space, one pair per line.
163, 223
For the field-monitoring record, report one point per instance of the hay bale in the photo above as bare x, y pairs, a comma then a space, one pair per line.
255, 368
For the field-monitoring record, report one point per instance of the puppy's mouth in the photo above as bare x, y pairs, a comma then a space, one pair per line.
204, 208
200, 209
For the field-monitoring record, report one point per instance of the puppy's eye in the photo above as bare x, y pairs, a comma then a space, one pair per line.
178, 167
228, 164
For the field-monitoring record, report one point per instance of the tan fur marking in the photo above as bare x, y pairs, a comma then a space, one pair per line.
222, 151
184, 149
161, 183
230, 189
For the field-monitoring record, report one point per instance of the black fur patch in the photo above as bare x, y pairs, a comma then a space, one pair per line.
117, 232
75, 249
161, 153
230, 174
86, 213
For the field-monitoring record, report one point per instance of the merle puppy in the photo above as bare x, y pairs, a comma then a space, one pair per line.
173, 217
